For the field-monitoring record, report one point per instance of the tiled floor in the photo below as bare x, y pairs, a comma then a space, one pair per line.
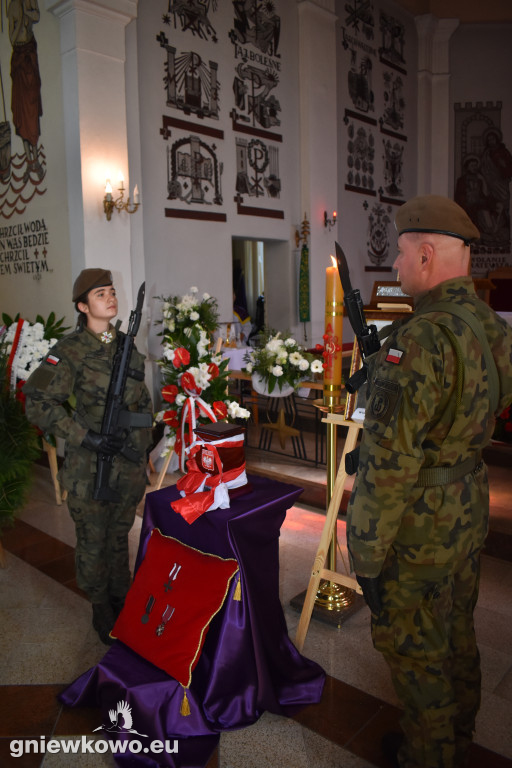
47, 640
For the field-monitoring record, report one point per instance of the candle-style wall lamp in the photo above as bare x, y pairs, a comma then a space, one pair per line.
330, 222
120, 204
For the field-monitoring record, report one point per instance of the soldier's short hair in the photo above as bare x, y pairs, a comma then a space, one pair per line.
436, 214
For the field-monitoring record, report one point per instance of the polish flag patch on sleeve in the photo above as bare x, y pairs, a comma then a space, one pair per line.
53, 359
394, 356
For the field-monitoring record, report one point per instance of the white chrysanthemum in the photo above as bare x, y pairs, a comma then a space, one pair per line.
290, 342
303, 365
180, 399
295, 358
206, 296
193, 289
277, 370
317, 366
248, 367
194, 315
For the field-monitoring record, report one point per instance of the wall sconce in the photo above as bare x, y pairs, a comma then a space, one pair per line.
330, 222
120, 204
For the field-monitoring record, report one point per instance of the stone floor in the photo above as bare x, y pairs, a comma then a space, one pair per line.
47, 641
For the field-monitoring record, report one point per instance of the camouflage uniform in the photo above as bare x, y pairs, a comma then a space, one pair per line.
77, 371
424, 542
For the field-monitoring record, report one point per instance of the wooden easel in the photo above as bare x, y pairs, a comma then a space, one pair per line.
52, 461
319, 571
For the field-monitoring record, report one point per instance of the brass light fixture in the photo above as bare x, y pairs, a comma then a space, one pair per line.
330, 222
120, 204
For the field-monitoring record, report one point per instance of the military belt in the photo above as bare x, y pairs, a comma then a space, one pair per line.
429, 477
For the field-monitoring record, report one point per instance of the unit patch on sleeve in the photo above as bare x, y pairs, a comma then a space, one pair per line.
385, 396
394, 356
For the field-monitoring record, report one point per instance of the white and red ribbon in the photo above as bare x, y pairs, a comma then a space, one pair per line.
15, 350
196, 501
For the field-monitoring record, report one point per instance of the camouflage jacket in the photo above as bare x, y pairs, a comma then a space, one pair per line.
413, 420
66, 396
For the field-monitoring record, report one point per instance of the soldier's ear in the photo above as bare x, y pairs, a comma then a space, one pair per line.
82, 307
426, 253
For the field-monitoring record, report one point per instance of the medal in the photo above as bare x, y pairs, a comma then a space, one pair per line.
166, 615
172, 575
106, 337
149, 607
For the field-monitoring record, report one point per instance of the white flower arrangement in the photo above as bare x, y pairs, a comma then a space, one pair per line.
281, 362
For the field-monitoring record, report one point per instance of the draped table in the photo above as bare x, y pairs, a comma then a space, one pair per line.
248, 663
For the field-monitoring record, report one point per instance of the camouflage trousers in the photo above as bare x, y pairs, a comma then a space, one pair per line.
101, 555
426, 634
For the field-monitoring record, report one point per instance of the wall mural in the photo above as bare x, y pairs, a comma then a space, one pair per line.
192, 15
191, 86
256, 112
22, 159
190, 82
378, 244
483, 172
378, 175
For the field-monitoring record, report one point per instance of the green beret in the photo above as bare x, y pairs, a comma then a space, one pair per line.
437, 214
89, 279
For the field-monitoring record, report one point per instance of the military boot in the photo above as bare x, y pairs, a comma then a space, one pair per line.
103, 620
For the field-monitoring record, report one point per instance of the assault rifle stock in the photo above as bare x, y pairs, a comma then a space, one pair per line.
115, 417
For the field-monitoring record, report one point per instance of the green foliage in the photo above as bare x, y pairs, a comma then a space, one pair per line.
19, 447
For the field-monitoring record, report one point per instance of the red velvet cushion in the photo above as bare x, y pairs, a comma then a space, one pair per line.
197, 593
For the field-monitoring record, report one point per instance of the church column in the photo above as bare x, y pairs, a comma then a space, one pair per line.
318, 140
96, 144
434, 136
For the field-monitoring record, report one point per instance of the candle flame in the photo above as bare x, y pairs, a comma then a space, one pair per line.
333, 260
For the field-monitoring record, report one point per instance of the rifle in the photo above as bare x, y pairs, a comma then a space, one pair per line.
115, 416
367, 340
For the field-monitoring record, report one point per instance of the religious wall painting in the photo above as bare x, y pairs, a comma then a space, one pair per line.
359, 18
393, 116
360, 159
483, 173
257, 176
256, 23
360, 81
257, 69
194, 171
393, 164
193, 16
22, 156
377, 245
255, 104
191, 83
391, 51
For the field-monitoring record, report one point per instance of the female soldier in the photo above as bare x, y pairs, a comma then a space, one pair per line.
66, 396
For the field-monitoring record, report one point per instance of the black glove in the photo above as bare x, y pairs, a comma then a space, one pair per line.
107, 444
370, 587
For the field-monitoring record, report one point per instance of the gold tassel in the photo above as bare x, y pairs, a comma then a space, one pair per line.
185, 706
238, 590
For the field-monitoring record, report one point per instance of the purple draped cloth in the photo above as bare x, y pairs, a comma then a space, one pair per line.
248, 663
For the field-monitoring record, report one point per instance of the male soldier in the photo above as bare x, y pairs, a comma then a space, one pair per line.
66, 396
418, 515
